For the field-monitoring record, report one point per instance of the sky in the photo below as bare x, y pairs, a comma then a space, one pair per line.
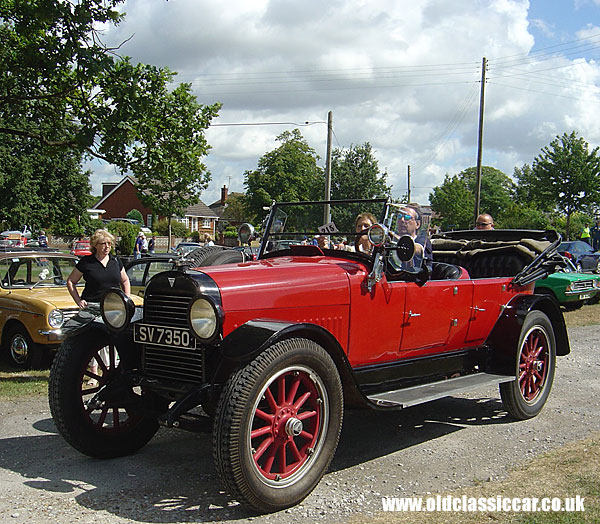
403, 75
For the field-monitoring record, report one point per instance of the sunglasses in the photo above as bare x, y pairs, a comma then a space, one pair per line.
406, 217
483, 224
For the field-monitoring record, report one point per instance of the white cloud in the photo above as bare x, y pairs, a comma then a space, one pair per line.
403, 76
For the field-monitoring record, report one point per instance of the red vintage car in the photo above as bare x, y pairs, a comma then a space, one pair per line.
268, 353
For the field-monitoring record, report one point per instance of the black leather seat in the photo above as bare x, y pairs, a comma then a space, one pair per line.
443, 271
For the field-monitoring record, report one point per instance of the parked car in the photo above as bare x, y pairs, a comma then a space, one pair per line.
81, 248
24, 232
571, 288
274, 349
34, 304
581, 254
140, 271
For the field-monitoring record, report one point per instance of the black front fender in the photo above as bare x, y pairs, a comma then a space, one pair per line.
504, 338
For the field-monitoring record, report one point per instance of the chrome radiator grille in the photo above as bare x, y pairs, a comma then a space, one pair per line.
163, 362
166, 310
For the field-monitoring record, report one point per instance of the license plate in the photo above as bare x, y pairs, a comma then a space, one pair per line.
164, 336
585, 295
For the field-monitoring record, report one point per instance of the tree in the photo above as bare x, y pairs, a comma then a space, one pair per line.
41, 186
172, 175
286, 174
355, 174
455, 202
56, 70
135, 214
236, 209
564, 177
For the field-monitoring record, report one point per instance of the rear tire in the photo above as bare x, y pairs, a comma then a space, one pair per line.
277, 425
99, 431
227, 256
525, 397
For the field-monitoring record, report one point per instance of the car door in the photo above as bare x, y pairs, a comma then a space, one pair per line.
435, 316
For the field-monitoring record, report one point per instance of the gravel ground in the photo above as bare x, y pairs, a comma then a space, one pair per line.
435, 447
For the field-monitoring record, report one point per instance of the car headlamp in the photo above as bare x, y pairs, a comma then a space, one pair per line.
117, 309
204, 318
378, 234
56, 318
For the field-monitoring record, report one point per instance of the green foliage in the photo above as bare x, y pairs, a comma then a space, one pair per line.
576, 223
135, 214
195, 236
286, 174
230, 232
127, 233
68, 227
564, 177
454, 200
93, 225
63, 87
454, 203
236, 209
518, 216
355, 174
40, 186
177, 228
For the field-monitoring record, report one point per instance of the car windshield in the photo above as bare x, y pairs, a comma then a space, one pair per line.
21, 272
305, 223
82, 245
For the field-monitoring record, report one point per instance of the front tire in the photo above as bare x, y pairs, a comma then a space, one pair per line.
95, 429
21, 350
525, 397
277, 425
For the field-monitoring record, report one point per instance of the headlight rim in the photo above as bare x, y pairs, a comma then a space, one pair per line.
218, 312
128, 306
52, 323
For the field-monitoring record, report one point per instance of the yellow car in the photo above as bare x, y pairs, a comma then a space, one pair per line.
34, 304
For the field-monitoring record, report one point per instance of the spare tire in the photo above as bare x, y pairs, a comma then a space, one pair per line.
198, 256
227, 256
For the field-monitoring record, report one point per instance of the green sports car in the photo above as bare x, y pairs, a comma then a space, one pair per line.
570, 288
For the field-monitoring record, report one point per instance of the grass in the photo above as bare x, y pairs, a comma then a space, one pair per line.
16, 384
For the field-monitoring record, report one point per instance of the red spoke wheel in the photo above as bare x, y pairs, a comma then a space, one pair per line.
278, 424
524, 397
83, 365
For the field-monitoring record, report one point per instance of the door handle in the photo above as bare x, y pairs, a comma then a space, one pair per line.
478, 308
411, 314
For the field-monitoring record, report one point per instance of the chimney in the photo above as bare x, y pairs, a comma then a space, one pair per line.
223, 195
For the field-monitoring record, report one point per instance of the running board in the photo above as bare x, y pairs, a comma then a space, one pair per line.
403, 398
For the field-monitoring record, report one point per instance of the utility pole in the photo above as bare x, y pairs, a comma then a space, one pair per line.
327, 211
408, 197
480, 141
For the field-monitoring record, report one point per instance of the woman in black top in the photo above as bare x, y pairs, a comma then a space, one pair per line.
101, 271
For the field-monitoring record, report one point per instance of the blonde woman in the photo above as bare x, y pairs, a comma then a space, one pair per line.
101, 271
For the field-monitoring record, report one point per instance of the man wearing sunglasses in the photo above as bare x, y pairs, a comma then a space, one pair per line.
409, 223
484, 221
